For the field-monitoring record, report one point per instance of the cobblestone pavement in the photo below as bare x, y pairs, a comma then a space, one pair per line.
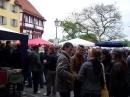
29, 93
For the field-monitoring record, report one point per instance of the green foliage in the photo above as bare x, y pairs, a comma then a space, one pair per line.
69, 28
89, 37
127, 42
51, 40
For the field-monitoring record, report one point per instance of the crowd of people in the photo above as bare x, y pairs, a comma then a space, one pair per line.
69, 68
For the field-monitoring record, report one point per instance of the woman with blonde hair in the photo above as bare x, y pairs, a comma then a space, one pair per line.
119, 85
76, 61
90, 74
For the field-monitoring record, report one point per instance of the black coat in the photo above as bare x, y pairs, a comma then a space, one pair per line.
52, 61
16, 59
118, 78
6, 54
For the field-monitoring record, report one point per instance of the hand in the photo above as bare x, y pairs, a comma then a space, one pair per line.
72, 82
48, 54
44, 61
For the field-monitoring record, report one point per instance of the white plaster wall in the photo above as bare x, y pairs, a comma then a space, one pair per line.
20, 23
29, 25
38, 27
21, 16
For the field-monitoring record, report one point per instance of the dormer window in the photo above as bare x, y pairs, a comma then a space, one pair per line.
13, 8
2, 4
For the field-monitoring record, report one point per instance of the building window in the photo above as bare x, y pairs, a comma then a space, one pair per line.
3, 20
26, 18
36, 21
13, 8
2, 4
31, 20
14, 22
40, 23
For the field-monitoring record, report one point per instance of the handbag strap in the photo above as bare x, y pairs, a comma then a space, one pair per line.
103, 69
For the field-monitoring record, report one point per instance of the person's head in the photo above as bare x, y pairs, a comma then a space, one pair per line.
56, 49
8, 43
80, 49
45, 47
68, 47
2, 45
117, 56
30, 47
18, 46
94, 52
51, 49
36, 48
105, 54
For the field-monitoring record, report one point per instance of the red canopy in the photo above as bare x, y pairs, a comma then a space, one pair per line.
37, 41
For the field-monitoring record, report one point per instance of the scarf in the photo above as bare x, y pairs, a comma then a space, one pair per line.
96, 64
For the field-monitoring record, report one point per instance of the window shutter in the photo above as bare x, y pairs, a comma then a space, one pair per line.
4, 4
11, 22
11, 7
0, 19
5, 20
16, 9
0, 3
16, 23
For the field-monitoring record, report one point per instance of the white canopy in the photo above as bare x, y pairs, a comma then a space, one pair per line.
78, 41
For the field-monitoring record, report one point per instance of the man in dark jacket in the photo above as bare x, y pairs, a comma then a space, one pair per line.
46, 58
6, 53
51, 71
16, 58
36, 66
64, 77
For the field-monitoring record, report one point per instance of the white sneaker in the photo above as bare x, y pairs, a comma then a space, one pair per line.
45, 94
23, 93
38, 92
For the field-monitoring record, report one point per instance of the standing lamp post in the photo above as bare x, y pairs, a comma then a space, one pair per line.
57, 22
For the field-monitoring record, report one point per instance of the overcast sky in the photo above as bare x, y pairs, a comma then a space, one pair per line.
52, 9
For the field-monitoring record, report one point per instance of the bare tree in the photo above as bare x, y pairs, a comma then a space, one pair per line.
103, 20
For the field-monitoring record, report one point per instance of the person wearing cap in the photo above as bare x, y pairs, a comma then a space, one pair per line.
36, 67
119, 86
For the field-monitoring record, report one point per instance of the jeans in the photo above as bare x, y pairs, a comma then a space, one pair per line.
50, 81
41, 81
64, 94
29, 77
77, 88
36, 76
84, 93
